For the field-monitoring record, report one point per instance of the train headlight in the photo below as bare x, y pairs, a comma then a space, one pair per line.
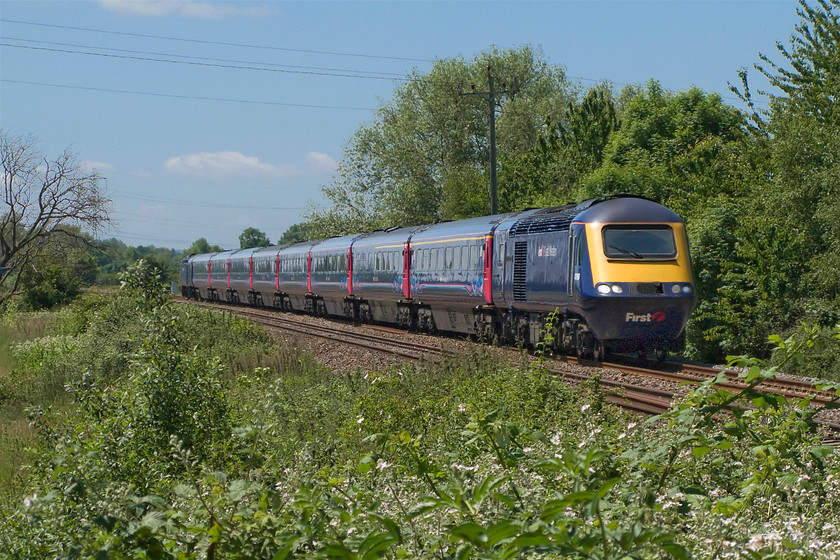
605, 289
676, 288
687, 289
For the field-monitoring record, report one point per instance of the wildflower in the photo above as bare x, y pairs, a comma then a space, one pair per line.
382, 465
584, 408
360, 419
555, 439
461, 407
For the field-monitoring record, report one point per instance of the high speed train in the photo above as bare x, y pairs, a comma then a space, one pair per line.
606, 274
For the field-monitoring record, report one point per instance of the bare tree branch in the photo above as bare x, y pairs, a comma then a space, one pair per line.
42, 199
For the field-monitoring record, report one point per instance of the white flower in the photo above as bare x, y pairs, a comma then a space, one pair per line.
382, 465
360, 419
555, 439
584, 408
461, 407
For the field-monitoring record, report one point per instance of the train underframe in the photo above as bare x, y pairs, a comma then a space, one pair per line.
555, 331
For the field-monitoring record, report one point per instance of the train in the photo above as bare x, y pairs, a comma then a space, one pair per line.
609, 274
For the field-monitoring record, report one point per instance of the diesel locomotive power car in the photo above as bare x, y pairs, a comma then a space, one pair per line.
607, 274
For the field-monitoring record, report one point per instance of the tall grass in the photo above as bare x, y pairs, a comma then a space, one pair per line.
16, 435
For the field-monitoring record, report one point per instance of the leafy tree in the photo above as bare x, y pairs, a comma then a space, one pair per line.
113, 257
252, 237
566, 150
424, 156
784, 269
295, 233
202, 246
812, 84
41, 199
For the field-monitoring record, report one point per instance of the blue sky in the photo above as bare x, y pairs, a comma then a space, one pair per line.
248, 124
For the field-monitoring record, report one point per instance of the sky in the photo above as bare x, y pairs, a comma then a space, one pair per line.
208, 117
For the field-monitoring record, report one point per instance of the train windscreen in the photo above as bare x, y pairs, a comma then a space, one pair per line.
650, 242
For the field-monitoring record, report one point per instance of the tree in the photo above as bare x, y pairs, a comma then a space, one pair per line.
812, 85
295, 233
252, 237
424, 157
566, 150
201, 245
41, 199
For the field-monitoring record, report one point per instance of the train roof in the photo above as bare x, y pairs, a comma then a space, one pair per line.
621, 208
386, 238
472, 226
627, 209
334, 243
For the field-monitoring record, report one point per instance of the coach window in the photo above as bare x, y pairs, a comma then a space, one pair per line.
449, 258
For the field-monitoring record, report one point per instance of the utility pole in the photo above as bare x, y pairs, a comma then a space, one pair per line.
491, 97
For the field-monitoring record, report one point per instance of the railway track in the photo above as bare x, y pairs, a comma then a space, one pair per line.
629, 395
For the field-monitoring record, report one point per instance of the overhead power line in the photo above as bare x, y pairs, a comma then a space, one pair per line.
152, 198
197, 63
222, 43
189, 97
379, 75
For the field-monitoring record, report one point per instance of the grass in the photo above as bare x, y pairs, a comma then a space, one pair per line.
16, 434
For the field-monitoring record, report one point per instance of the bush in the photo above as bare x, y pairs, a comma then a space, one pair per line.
178, 456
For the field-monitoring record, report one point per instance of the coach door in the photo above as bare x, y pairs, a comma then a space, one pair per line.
575, 248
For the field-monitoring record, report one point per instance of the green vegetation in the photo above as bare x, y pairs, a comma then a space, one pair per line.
192, 435
252, 237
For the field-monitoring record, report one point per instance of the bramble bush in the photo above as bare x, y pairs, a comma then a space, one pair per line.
182, 455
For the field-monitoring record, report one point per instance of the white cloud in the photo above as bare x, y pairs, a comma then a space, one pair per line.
186, 8
98, 166
226, 165
320, 163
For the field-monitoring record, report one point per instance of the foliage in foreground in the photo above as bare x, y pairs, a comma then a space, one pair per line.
176, 454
